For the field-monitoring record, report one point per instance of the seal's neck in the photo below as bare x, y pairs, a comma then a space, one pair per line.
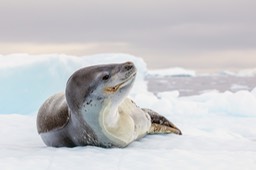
109, 125
90, 112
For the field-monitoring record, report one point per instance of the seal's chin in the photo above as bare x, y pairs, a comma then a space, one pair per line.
124, 83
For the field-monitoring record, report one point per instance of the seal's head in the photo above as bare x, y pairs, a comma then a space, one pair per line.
100, 82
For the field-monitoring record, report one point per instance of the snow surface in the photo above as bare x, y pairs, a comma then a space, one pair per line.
218, 128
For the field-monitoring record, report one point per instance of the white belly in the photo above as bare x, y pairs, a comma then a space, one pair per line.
126, 124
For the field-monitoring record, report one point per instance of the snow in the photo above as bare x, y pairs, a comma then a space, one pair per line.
242, 73
238, 87
218, 128
247, 72
177, 71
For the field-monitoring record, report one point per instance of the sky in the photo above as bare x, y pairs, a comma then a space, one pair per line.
166, 33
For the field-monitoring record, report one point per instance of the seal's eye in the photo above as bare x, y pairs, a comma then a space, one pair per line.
106, 77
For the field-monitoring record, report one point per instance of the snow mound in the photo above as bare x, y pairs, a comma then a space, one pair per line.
26, 80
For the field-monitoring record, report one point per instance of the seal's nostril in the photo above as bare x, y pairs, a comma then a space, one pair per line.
128, 67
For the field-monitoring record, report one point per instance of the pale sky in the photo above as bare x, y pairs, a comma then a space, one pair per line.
166, 33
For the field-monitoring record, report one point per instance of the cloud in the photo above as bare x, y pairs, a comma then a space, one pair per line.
78, 49
147, 28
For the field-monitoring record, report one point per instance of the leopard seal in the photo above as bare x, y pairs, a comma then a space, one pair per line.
95, 110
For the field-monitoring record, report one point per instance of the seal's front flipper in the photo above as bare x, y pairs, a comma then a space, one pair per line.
160, 124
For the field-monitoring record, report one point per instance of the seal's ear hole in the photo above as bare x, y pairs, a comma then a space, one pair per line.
106, 77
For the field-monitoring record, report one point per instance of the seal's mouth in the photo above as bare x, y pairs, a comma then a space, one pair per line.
115, 88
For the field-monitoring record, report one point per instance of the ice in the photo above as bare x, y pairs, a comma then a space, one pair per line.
238, 87
242, 73
247, 72
218, 127
26, 81
172, 72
